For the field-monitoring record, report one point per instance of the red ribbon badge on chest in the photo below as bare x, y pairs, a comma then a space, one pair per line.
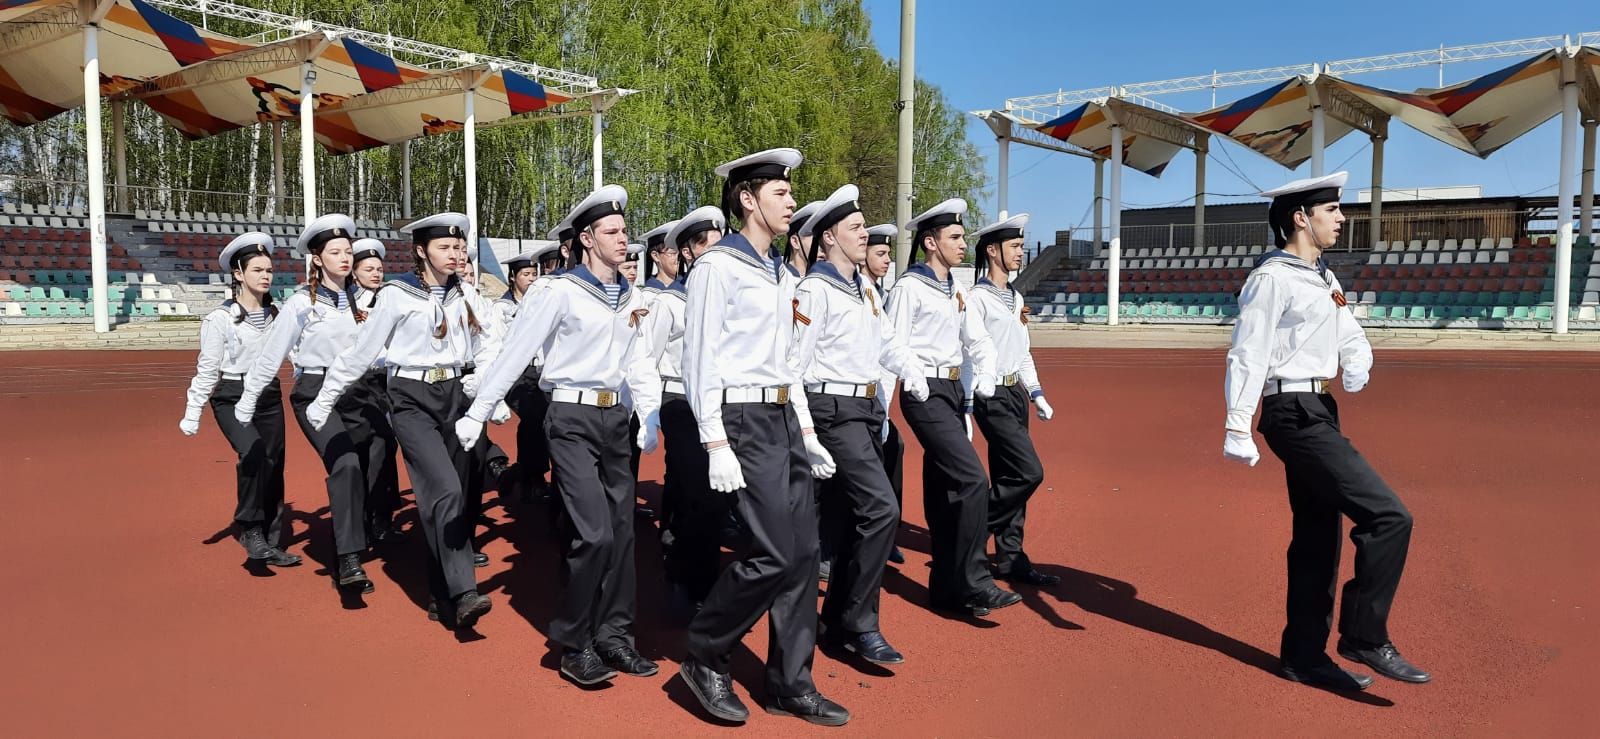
637, 316
1338, 299
1024, 314
799, 317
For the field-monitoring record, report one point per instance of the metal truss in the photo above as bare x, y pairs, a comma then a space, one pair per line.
433, 56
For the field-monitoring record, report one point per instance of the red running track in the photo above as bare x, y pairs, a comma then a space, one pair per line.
129, 612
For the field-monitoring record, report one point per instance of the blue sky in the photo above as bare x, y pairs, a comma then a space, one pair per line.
980, 53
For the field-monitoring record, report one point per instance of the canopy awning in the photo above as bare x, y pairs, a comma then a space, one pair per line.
1275, 123
429, 106
1088, 127
1493, 110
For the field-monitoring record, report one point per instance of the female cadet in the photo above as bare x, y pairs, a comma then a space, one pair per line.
750, 406
424, 326
525, 397
929, 308
1014, 467
383, 474
489, 461
797, 248
315, 325
844, 344
1294, 332
589, 323
880, 255
230, 338
691, 514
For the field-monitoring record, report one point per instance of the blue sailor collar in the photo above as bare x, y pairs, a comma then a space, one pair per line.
827, 271
655, 283
581, 272
1281, 256
414, 284
921, 269
738, 243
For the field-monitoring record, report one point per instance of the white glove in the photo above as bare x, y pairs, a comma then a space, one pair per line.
916, 387
968, 419
469, 385
243, 412
822, 466
723, 470
883, 434
190, 425
502, 413
648, 439
468, 431
1240, 446
1354, 381
983, 388
317, 415
1043, 406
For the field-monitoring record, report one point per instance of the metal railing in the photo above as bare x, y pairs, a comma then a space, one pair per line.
1357, 236
251, 206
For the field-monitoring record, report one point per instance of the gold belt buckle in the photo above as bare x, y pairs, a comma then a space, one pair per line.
1011, 380
783, 395
437, 374
872, 390
954, 373
605, 399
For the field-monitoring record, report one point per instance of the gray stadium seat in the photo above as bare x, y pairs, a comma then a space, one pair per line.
1447, 257
1414, 245
1504, 243
1431, 245
1483, 257
1449, 245
1502, 257
1410, 257
1428, 257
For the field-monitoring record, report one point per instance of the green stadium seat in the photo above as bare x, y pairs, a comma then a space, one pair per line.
1230, 310
1500, 312
1193, 311
57, 293
1521, 313
1541, 313
1485, 299
37, 294
1418, 313
1210, 311
1427, 298
77, 310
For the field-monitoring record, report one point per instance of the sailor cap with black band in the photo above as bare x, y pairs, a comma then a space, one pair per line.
948, 213
797, 222
561, 232
324, 229
634, 250
518, 262
243, 247
882, 234
840, 205
543, 250
368, 249
438, 226
698, 221
609, 200
772, 164
1002, 231
1297, 195
656, 240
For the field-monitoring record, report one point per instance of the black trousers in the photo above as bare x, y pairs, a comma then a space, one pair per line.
382, 467
692, 514
586, 451
424, 418
859, 510
1328, 478
955, 493
343, 445
893, 454
530, 404
1014, 469
259, 472
776, 570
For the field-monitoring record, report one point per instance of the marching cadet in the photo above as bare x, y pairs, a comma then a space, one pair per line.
527, 272
1014, 467
880, 255
588, 322
1294, 332
424, 326
314, 326
797, 248
753, 419
230, 338
691, 512
630, 265
630, 272
844, 344
489, 460
929, 308
383, 472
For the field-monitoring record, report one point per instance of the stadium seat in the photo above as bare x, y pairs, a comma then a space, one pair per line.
1414, 245
1428, 258
1447, 258
1431, 245
1542, 313
1449, 245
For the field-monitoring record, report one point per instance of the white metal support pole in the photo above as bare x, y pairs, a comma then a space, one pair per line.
1099, 205
599, 147
1569, 156
1586, 186
97, 177
1200, 151
1005, 171
471, 146
308, 140
119, 153
277, 168
1114, 263
1375, 212
907, 107
1318, 139
405, 179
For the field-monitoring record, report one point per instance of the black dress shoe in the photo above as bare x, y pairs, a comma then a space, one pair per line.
714, 691
584, 667
1030, 576
896, 556
497, 472
872, 647
470, 606
1385, 660
628, 660
1327, 675
255, 544
479, 559
350, 575
961, 608
812, 707
433, 610
992, 599
280, 558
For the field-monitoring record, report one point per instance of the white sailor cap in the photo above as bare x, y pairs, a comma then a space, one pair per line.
883, 234
368, 248
947, 213
840, 205
634, 250
797, 221
1296, 195
698, 221
439, 226
324, 229
1308, 185
609, 200
657, 237
772, 164
1002, 230
243, 247
519, 261
561, 232
543, 250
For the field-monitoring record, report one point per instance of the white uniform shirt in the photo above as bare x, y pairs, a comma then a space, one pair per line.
227, 346
664, 325
402, 326
365, 300
738, 327
941, 331
843, 334
588, 345
1290, 328
309, 334
1000, 311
